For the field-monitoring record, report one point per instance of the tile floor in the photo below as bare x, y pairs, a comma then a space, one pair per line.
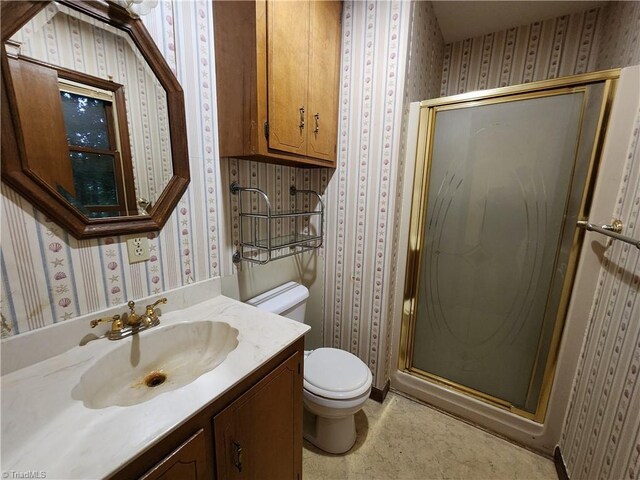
402, 439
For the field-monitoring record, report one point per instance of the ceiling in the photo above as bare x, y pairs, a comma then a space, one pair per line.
460, 20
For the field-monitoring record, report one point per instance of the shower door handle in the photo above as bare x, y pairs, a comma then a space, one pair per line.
610, 230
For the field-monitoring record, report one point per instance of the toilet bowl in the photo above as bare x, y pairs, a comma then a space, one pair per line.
336, 382
336, 385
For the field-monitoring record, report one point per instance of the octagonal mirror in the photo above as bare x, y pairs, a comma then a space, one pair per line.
93, 121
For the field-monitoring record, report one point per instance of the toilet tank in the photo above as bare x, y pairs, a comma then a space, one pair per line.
288, 300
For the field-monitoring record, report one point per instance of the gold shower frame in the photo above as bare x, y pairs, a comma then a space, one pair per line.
424, 150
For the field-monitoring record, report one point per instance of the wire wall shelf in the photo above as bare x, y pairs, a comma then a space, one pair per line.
267, 234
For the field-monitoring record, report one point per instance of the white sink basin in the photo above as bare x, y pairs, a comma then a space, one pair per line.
156, 361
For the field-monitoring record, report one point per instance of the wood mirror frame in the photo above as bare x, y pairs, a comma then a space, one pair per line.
14, 164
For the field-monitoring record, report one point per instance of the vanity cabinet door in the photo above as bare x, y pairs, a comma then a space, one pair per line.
187, 462
259, 435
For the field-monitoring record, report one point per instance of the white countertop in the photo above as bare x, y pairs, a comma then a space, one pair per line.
45, 429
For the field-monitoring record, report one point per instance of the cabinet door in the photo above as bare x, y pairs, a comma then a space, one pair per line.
187, 462
259, 436
287, 66
325, 32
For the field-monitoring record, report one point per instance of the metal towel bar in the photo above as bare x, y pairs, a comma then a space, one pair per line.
612, 231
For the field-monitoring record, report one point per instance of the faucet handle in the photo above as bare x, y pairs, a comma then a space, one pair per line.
150, 318
150, 308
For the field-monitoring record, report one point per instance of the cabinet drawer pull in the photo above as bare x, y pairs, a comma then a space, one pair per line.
301, 118
237, 460
317, 129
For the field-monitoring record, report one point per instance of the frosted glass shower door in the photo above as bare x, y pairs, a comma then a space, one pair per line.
499, 185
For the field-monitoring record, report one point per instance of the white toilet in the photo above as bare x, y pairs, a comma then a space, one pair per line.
336, 382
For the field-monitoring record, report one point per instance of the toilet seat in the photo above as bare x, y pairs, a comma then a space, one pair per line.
336, 374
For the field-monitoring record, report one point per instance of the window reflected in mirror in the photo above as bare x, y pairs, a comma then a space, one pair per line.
87, 120
93, 139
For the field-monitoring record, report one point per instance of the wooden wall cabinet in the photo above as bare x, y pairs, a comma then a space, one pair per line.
277, 73
252, 431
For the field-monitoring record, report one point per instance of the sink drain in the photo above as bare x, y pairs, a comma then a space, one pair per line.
154, 379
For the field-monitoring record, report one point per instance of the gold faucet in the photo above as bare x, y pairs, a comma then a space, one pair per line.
134, 322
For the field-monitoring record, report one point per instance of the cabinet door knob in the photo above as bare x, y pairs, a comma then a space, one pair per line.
317, 129
237, 460
301, 118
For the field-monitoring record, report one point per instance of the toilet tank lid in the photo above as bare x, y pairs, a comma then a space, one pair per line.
280, 299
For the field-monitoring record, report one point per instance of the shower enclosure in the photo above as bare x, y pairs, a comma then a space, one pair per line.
501, 178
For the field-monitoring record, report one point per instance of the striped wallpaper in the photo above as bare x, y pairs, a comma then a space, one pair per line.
424, 70
361, 193
619, 35
601, 433
546, 49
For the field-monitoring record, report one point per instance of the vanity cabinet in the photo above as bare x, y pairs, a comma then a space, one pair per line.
187, 462
258, 435
254, 430
278, 73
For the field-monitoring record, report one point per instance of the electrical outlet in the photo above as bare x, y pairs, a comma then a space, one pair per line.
138, 248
